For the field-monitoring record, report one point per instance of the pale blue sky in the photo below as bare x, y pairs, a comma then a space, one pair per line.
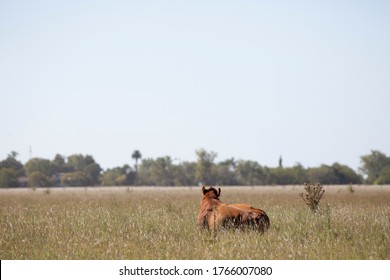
308, 80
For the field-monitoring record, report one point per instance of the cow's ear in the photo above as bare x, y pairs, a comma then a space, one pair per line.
219, 192
204, 189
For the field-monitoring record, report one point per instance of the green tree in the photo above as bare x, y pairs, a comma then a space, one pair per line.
39, 179
300, 176
345, 174
184, 174
162, 171
118, 176
110, 176
12, 163
78, 162
204, 167
128, 176
8, 178
285, 176
384, 176
224, 172
60, 165
323, 175
251, 173
41, 165
334, 174
143, 175
373, 164
159, 171
280, 162
93, 170
136, 156
75, 179
87, 165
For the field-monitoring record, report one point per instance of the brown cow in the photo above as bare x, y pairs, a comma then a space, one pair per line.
213, 213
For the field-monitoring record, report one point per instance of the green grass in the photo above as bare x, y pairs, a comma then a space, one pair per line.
160, 223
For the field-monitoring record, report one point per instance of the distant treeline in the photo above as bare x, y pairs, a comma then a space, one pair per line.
83, 170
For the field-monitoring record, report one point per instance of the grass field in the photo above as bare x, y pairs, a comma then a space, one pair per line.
160, 223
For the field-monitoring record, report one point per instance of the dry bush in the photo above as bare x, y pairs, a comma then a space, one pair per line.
314, 193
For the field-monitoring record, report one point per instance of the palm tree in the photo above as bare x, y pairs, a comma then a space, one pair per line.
136, 156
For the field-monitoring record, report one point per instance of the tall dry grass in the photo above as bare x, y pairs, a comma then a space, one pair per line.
160, 223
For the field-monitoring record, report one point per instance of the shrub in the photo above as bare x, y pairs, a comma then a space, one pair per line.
314, 193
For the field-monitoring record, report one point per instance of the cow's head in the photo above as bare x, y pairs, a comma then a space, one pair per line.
211, 192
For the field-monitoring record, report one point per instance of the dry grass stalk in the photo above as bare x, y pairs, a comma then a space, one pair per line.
314, 193
214, 230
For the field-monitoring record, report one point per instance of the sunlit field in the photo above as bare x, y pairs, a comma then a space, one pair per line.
160, 223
